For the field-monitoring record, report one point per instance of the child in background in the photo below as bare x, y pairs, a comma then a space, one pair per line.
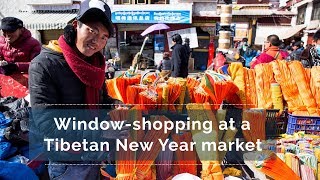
165, 66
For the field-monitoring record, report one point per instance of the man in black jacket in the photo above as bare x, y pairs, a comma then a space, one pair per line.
70, 74
179, 58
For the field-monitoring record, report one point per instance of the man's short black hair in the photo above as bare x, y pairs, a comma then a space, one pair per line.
177, 38
298, 44
274, 40
316, 35
244, 39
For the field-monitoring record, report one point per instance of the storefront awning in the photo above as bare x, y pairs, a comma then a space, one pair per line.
284, 32
315, 24
291, 32
44, 21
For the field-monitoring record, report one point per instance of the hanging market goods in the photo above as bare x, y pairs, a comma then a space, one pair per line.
183, 88
315, 84
298, 71
164, 163
271, 165
221, 116
289, 87
250, 88
293, 162
251, 165
309, 160
237, 75
210, 165
264, 78
146, 158
227, 138
257, 120
200, 96
299, 151
175, 89
218, 87
185, 161
125, 164
307, 173
148, 99
276, 96
192, 85
117, 87
133, 92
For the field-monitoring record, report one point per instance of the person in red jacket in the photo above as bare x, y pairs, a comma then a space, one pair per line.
271, 52
17, 47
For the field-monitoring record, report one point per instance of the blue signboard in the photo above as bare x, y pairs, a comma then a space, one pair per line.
173, 17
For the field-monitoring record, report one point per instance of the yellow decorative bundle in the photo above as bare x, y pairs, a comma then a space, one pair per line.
264, 78
237, 75
276, 95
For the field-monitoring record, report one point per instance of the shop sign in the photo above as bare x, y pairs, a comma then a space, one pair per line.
170, 16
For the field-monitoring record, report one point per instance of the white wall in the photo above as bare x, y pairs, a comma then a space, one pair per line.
9, 6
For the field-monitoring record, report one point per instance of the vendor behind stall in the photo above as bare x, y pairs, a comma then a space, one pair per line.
17, 47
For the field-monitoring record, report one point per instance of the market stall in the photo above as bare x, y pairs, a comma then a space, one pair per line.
268, 97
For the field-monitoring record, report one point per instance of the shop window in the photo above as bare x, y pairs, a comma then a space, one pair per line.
301, 15
125, 1
316, 11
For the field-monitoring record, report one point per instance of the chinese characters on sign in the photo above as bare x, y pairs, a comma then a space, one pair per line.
182, 17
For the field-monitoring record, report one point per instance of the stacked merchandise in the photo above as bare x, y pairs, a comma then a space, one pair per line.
300, 152
14, 148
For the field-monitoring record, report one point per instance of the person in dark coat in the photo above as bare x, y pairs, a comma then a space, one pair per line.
69, 73
311, 55
297, 50
179, 58
17, 47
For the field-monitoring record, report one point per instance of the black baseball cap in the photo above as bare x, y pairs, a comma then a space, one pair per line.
96, 10
11, 24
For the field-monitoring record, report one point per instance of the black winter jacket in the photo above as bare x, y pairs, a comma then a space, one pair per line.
180, 61
51, 81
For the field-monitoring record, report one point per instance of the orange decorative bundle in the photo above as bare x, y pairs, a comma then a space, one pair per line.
299, 77
145, 159
133, 93
218, 87
315, 85
185, 161
257, 120
264, 78
283, 76
117, 87
192, 84
251, 94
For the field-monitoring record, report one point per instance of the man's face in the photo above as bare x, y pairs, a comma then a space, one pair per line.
11, 36
267, 44
91, 37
